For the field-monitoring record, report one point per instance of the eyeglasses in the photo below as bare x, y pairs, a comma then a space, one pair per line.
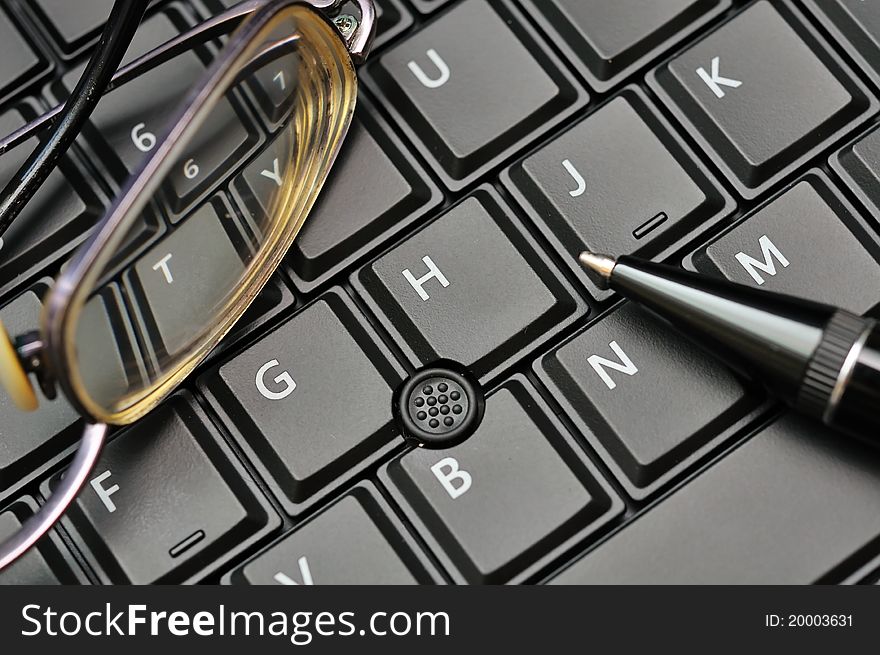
300, 52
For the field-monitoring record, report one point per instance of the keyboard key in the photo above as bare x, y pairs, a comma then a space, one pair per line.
616, 182
469, 287
807, 242
43, 565
427, 6
54, 220
311, 402
445, 72
355, 541
612, 39
730, 90
509, 495
859, 166
132, 118
374, 189
18, 60
183, 280
29, 439
203, 513
856, 24
648, 400
790, 506
105, 343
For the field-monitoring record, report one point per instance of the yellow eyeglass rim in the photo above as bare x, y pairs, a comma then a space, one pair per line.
13, 376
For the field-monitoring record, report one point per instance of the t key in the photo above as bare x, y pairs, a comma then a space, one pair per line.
469, 287
185, 278
763, 94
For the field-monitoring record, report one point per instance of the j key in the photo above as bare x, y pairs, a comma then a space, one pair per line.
186, 276
130, 119
469, 287
505, 496
139, 530
788, 507
859, 165
353, 542
761, 93
276, 394
610, 184
17, 58
53, 219
445, 72
42, 565
611, 38
648, 397
857, 21
28, 439
805, 243
372, 189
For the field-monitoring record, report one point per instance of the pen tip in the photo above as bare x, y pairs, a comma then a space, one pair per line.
598, 267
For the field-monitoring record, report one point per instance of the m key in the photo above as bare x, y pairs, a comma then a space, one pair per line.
807, 242
763, 93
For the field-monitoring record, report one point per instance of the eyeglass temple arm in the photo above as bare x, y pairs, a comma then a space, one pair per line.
203, 32
64, 494
117, 35
211, 28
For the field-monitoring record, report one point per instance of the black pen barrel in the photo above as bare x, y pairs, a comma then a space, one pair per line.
821, 360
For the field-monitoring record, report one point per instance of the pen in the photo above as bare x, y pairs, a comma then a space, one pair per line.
820, 360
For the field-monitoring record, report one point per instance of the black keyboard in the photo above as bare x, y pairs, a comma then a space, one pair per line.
494, 140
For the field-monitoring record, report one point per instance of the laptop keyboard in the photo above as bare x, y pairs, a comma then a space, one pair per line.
494, 140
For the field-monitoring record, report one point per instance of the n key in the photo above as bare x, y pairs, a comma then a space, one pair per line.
648, 401
763, 93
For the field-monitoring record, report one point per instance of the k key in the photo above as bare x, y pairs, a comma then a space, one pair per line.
763, 93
